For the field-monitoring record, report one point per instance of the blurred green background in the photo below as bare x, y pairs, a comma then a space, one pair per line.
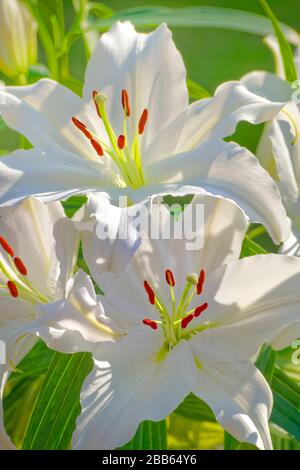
213, 56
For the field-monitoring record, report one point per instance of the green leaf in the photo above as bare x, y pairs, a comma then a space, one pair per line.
285, 48
196, 91
37, 71
53, 418
197, 16
286, 410
282, 441
149, 436
230, 443
73, 204
266, 362
288, 361
196, 409
22, 389
250, 248
3, 126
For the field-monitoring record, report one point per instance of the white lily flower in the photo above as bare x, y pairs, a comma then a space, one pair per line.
134, 128
194, 321
279, 147
18, 38
39, 293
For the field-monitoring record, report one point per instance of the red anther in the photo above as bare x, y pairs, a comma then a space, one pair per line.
143, 120
12, 289
97, 147
150, 293
82, 127
201, 281
150, 323
20, 266
125, 102
186, 320
170, 278
121, 141
200, 309
6, 247
95, 93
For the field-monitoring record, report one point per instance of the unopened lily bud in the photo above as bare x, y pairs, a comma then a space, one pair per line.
18, 38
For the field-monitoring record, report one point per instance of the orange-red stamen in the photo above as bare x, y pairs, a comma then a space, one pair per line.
143, 120
121, 141
170, 278
200, 309
150, 323
20, 266
186, 320
125, 102
95, 93
12, 289
97, 146
82, 127
150, 292
6, 247
200, 282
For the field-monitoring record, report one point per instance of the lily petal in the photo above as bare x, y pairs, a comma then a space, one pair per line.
5, 442
253, 301
268, 86
212, 118
43, 113
148, 66
17, 346
45, 239
107, 234
292, 245
231, 171
217, 222
240, 398
76, 323
128, 386
49, 175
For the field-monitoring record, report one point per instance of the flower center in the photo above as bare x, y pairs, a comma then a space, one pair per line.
126, 155
15, 276
177, 325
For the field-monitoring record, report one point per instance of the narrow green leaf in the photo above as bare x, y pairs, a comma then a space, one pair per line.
149, 436
196, 91
194, 408
286, 409
286, 387
285, 48
53, 418
195, 16
282, 441
230, 443
266, 362
250, 248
